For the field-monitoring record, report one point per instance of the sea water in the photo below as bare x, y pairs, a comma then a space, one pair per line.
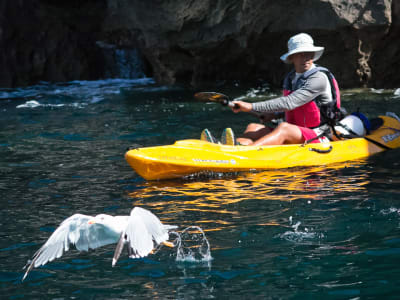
304, 233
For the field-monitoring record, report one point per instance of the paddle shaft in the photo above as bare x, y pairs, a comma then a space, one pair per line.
224, 100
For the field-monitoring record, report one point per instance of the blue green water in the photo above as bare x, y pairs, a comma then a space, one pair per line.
304, 233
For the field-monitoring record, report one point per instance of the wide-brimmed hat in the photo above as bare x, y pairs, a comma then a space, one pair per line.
302, 42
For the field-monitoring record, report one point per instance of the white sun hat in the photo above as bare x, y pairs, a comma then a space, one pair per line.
302, 42
350, 125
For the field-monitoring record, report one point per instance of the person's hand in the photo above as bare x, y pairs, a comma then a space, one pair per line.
241, 106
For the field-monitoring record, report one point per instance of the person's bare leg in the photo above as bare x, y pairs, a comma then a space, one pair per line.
285, 133
252, 133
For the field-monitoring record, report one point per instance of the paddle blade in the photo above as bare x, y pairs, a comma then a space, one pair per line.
212, 97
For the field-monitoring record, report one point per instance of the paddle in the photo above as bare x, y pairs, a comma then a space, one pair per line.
224, 100
214, 97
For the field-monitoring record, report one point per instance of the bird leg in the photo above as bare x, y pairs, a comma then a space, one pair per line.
168, 244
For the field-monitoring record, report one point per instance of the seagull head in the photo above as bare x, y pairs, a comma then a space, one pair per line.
101, 219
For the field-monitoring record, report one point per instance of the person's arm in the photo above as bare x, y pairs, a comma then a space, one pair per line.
247, 107
314, 86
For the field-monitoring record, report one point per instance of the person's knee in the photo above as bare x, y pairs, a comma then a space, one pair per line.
284, 127
290, 133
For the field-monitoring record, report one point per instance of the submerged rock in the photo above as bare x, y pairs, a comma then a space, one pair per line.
198, 41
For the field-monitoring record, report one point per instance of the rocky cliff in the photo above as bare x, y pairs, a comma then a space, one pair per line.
197, 41
49, 40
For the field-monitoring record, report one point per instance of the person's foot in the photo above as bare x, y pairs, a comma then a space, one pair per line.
228, 137
208, 137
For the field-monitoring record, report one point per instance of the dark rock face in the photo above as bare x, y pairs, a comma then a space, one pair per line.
198, 41
49, 40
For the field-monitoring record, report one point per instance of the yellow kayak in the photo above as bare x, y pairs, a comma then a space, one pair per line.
187, 157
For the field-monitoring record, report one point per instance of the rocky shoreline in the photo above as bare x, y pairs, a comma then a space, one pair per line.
196, 42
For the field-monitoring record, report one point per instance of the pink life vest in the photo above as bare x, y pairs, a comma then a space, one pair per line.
313, 113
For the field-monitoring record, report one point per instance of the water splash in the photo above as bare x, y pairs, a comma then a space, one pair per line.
300, 236
296, 226
192, 245
390, 210
258, 93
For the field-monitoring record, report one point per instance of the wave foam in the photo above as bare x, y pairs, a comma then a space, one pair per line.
35, 104
62, 94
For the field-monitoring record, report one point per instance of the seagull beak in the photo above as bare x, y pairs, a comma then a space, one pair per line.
91, 222
168, 244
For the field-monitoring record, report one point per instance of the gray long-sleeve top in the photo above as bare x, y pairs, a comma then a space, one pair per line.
316, 84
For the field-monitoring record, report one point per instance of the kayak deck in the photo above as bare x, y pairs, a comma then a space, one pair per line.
186, 157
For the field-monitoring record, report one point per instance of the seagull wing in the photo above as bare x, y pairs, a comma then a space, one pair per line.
137, 237
142, 228
74, 230
158, 230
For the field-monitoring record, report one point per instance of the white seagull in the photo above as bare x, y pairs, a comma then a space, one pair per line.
142, 231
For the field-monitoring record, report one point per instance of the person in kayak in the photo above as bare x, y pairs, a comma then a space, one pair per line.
311, 95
